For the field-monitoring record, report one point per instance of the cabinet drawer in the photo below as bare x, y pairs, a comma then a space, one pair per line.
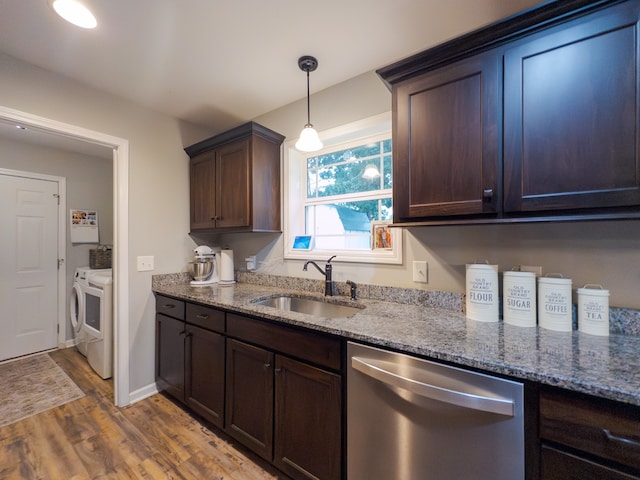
205, 317
604, 428
556, 465
170, 307
305, 345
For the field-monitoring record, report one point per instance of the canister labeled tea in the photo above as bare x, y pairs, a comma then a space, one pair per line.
593, 310
554, 303
482, 292
519, 298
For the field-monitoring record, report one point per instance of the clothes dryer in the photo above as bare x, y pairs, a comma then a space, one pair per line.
98, 321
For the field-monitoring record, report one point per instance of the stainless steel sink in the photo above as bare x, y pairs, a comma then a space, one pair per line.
309, 306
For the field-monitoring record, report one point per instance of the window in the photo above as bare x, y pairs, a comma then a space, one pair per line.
329, 196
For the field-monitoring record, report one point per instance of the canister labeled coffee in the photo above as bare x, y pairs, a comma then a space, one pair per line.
482, 292
554, 303
519, 298
593, 310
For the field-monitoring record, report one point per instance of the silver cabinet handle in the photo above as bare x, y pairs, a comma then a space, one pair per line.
616, 438
374, 369
202, 316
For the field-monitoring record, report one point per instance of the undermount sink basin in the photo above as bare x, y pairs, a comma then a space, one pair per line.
309, 306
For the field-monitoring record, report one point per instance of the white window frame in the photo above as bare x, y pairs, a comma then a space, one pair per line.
295, 186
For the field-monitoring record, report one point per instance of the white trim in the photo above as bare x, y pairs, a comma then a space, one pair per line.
144, 392
121, 233
62, 243
293, 181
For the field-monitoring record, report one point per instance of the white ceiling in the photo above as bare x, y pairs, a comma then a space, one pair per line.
219, 63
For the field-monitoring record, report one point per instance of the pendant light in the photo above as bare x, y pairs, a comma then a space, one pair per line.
309, 140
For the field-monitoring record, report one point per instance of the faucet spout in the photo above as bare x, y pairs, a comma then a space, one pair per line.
306, 264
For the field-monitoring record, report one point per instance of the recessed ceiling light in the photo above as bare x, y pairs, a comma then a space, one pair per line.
75, 12
21, 127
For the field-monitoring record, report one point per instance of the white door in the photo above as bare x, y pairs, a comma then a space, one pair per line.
29, 265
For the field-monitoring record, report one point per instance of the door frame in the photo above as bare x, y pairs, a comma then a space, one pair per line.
62, 242
120, 148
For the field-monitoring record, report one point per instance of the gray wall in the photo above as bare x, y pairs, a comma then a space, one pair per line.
89, 186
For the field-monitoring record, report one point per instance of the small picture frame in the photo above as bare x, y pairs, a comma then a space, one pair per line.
302, 242
381, 238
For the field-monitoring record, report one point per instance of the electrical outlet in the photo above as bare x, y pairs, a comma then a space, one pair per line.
529, 268
145, 263
420, 272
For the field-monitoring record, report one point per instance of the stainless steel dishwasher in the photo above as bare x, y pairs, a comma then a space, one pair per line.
413, 419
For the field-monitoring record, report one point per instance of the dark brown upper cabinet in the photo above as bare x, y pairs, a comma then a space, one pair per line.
571, 115
446, 140
235, 181
533, 118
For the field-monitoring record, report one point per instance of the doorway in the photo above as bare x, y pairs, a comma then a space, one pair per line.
120, 148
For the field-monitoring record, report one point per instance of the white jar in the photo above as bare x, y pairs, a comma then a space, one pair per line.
482, 292
593, 310
519, 298
554, 303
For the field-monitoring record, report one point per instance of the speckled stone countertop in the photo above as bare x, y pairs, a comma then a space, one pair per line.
607, 367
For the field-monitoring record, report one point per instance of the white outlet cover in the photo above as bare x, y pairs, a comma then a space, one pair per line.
145, 263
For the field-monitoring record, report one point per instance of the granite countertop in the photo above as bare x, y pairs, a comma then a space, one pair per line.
607, 367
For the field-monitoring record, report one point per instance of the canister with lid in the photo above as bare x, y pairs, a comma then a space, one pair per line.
554, 303
593, 310
519, 298
482, 292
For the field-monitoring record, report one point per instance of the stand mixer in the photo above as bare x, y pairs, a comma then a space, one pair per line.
205, 267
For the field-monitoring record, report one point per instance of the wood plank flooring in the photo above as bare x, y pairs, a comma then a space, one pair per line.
90, 438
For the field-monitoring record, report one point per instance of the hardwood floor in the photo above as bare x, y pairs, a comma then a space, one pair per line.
90, 438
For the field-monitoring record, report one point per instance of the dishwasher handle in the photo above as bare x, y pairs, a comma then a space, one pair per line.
375, 369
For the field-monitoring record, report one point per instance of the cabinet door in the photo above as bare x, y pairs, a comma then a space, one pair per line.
202, 191
557, 465
572, 115
445, 159
170, 355
205, 357
249, 409
233, 185
308, 423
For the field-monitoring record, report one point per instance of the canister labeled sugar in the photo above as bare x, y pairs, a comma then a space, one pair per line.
554, 303
519, 298
593, 310
482, 292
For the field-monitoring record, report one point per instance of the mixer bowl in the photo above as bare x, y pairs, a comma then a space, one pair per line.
201, 269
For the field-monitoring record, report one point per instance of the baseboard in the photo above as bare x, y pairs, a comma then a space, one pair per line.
143, 393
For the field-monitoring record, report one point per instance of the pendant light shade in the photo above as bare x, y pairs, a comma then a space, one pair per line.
309, 140
371, 172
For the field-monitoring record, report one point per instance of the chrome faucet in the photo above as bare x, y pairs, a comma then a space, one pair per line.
327, 272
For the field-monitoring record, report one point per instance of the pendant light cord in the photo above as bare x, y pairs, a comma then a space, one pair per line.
308, 102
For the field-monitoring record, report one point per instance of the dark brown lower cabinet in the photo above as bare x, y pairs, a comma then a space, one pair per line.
587, 438
307, 437
205, 373
249, 412
558, 465
287, 411
170, 355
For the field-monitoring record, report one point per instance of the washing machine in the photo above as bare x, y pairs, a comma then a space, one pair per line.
91, 308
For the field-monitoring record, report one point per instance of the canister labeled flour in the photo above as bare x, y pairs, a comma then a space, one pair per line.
482, 292
554, 303
593, 310
519, 298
